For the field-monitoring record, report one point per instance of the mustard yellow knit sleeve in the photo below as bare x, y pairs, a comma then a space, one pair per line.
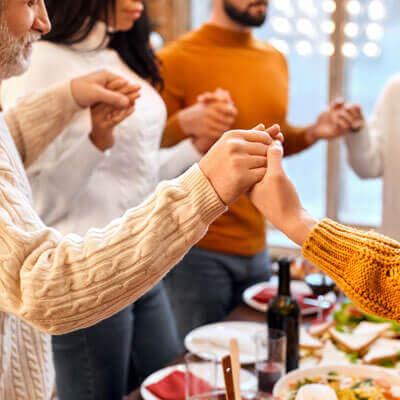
365, 265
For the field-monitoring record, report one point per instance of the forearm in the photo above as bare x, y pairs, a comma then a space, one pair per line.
177, 159
70, 283
38, 119
365, 265
173, 133
297, 139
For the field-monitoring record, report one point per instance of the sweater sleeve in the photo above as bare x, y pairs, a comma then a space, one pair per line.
60, 284
295, 139
366, 148
365, 265
39, 118
177, 159
173, 94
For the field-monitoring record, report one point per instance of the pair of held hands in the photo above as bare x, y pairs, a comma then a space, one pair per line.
251, 162
239, 162
214, 113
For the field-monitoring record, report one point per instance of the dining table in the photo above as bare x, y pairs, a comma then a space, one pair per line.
240, 313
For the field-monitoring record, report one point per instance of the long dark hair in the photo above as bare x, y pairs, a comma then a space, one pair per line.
73, 20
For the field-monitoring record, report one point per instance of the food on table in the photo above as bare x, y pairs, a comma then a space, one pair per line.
316, 392
343, 387
352, 337
332, 355
383, 351
352, 342
309, 342
320, 329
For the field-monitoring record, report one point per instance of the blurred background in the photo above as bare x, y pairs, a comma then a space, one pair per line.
329, 55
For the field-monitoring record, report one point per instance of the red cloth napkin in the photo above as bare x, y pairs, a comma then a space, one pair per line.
172, 387
265, 295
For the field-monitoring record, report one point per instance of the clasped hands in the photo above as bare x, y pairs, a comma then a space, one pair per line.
251, 162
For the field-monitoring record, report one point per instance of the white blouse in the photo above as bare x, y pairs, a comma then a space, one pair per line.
375, 152
75, 186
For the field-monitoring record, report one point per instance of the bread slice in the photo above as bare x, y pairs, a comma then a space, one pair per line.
331, 355
309, 342
382, 350
352, 342
365, 328
320, 329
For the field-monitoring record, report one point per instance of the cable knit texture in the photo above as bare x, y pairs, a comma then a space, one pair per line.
365, 265
60, 107
59, 284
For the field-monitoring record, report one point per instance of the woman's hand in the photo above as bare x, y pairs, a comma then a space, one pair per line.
93, 89
277, 199
105, 117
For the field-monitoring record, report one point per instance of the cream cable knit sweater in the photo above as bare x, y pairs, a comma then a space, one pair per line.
59, 284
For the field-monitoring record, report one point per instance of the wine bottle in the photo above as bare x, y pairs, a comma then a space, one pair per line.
284, 315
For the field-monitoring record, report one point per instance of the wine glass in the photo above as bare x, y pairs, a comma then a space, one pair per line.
321, 285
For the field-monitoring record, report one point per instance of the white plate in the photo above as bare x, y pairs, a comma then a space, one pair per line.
283, 385
243, 331
248, 381
297, 287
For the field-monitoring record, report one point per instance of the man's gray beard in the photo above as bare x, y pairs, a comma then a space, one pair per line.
14, 56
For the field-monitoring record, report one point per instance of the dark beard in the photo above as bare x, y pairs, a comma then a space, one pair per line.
243, 17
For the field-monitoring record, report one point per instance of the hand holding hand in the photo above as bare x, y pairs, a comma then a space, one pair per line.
337, 120
210, 117
92, 89
105, 117
277, 199
238, 161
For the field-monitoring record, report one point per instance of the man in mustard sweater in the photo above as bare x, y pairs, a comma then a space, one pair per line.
220, 77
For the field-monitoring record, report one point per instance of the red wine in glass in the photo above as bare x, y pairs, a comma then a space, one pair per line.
268, 375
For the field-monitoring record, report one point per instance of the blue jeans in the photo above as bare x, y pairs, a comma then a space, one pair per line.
206, 286
93, 363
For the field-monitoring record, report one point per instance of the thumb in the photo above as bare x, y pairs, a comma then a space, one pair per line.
274, 157
111, 98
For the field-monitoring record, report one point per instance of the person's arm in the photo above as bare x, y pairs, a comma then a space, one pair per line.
365, 265
366, 148
177, 159
60, 284
38, 119
67, 149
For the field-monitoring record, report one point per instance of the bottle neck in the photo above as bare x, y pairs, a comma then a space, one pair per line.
284, 278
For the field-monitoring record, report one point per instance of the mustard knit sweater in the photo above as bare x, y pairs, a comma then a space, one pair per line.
365, 265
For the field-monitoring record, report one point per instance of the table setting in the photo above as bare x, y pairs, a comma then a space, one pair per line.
344, 353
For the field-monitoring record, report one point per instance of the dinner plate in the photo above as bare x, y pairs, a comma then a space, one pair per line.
283, 385
298, 287
248, 381
214, 339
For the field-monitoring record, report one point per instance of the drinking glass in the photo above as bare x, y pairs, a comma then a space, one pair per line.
270, 359
201, 376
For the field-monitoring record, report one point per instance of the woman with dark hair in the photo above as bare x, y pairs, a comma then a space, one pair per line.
125, 165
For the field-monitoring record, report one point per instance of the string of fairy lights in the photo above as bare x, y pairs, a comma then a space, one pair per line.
306, 26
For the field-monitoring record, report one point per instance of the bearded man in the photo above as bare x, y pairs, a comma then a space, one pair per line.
217, 77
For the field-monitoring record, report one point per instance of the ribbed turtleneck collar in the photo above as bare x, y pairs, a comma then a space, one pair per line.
97, 39
225, 37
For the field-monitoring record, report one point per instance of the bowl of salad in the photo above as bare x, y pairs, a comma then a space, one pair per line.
358, 382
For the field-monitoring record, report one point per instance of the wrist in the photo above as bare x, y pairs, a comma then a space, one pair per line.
185, 122
100, 144
299, 227
311, 135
